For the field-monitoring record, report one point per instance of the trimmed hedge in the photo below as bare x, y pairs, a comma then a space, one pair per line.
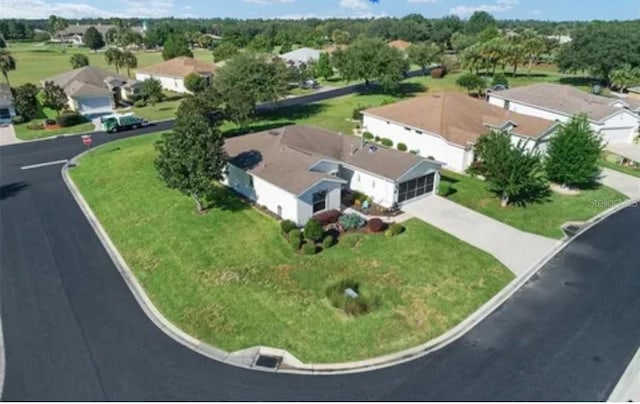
313, 230
287, 225
445, 189
367, 135
394, 229
402, 147
309, 249
295, 239
376, 225
70, 119
387, 142
328, 217
328, 242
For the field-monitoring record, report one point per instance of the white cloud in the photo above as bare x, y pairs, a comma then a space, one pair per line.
43, 9
536, 12
354, 4
500, 6
423, 1
268, 1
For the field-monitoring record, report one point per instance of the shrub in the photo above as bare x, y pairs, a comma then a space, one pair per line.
140, 103
367, 135
414, 152
313, 230
35, 126
387, 101
295, 239
377, 139
17, 120
396, 228
357, 112
352, 306
376, 225
359, 196
287, 225
438, 72
351, 221
402, 147
387, 142
70, 119
445, 189
309, 249
388, 233
476, 168
328, 217
328, 242
500, 79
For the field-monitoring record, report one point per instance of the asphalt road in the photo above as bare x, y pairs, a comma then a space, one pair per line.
73, 331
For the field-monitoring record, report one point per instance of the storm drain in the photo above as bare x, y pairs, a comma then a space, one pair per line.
270, 362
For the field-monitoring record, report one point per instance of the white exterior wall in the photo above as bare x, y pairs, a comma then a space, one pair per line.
381, 190
305, 201
168, 83
428, 145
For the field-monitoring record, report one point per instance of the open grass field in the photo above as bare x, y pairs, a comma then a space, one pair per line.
38, 61
230, 279
544, 217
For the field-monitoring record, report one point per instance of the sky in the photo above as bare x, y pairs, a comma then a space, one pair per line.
501, 9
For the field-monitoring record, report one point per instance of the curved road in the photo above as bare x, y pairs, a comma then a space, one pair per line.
73, 331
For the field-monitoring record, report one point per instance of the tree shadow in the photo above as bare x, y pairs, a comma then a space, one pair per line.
578, 81
247, 160
294, 112
254, 128
451, 180
12, 189
405, 89
224, 198
538, 195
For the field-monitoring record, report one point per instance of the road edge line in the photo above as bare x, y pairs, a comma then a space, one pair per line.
624, 388
297, 367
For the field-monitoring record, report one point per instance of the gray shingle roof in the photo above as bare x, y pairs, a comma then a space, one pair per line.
302, 55
92, 78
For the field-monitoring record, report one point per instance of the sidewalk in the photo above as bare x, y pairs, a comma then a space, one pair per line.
621, 182
8, 135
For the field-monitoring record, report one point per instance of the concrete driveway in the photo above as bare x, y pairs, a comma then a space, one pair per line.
8, 135
516, 249
621, 182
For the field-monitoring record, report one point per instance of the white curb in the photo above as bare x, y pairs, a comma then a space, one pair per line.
289, 362
629, 381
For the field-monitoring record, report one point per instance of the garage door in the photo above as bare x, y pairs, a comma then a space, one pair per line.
416, 187
612, 136
94, 105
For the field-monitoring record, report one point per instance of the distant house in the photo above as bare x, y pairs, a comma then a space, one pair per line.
446, 126
400, 45
562, 39
93, 91
171, 73
613, 118
301, 56
74, 34
299, 171
7, 108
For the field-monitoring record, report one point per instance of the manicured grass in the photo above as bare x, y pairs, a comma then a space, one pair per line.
39, 61
24, 133
230, 279
544, 217
611, 161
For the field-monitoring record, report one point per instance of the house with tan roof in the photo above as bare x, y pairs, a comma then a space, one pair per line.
299, 171
445, 126
614, 118
399, 44
171, 73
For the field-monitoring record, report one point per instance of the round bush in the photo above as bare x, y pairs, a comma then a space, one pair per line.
367, 135
287, 225
295, 239
388, 233
445, 189
328, 242
309, 249
313, 230
387, 142
396, 228
351, 221
376, 225
377, 139
402, 147
140, 104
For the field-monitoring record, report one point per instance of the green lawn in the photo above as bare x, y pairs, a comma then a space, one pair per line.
39, 61
545, 217
229, 278
610, 161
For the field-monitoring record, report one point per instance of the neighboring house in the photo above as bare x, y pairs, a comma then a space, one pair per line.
299, 171
92, 91
613, 118
634, 92
74, 34
7, 108
446, 126
400, 45
301, 56
172, 72
562, 39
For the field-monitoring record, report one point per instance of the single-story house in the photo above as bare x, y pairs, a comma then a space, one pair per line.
298, 171
301, 56
93, 91
74, 33
399, 44
172, 72
7, 108
611, 117
446, 126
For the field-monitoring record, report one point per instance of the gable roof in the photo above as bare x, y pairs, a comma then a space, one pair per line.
399, 44
179, 67
302, 55
563, 99
285, 155
458, 118
88, 80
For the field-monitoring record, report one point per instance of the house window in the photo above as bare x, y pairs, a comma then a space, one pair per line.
419, 132
407, 129
319, 201
507, 104
251, 181
358, 177
415, 187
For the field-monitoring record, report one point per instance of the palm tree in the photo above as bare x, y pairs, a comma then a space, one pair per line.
7, 64
129, 61
114, 56
515, 54
624, 77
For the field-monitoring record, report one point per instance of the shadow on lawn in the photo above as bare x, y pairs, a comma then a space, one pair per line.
578, 81
223, 199
534, 196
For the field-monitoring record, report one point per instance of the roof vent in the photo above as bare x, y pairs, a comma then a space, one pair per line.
373, 149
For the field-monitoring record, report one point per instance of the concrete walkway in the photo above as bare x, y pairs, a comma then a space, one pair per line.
8, 135
516, 249
621, 182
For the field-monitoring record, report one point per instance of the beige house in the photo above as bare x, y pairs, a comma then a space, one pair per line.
171, 73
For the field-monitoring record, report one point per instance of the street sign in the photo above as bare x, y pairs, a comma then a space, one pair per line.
86, 139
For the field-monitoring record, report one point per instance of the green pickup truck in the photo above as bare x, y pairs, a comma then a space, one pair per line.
118, 122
